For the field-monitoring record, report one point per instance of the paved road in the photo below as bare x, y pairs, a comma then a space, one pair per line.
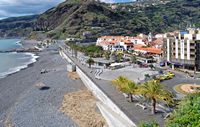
130, 109
180, 78
135, 113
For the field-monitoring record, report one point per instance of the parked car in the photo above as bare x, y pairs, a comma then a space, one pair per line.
167, 76
171, 74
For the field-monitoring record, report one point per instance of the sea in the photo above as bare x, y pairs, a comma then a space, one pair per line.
13, 62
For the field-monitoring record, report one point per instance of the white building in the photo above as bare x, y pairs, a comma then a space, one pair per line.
183, 48
115, 43
118, 43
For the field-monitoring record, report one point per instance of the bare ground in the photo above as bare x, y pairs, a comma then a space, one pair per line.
81, 107
73, 75
188, 88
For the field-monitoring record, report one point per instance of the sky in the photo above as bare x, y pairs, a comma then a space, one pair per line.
14, 8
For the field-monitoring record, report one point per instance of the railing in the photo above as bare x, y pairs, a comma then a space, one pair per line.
192, 62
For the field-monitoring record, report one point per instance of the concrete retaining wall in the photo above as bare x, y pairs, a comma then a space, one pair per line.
111, 112
63, 55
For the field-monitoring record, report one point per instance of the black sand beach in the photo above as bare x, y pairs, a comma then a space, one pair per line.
24, 104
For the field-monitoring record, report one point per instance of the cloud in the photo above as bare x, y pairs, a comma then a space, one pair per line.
11, 8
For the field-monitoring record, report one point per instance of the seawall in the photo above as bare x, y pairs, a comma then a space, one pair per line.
114, 116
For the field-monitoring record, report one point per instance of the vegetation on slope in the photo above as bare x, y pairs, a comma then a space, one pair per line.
73, 19
187, 114
17, 26
90, 19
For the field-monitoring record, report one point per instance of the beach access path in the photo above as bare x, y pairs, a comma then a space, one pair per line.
23, 104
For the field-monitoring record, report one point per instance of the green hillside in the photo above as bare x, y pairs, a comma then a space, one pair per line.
73, 19
90, 19
17, 26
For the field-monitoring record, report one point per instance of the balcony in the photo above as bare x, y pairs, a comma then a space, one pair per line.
192, 47
190, 62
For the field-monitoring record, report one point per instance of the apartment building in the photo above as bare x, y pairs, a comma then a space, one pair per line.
182, 48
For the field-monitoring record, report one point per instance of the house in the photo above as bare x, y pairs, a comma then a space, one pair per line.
115, 43
156, 43
159, 35
139, 40
147, 50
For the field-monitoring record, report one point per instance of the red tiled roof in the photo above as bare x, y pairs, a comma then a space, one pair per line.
158, 41
148, 49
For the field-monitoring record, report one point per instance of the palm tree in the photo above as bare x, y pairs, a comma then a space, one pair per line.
154, 90
125, 85
133, 59
90, 61
119, 57
107, 54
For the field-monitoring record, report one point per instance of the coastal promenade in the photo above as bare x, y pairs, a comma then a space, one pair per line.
135, 113
24, 104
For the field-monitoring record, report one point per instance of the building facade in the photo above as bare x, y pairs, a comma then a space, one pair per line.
118, 43
182, 48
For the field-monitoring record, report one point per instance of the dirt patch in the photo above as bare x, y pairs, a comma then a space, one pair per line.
7, 121
189, 88
81, 107
73, 75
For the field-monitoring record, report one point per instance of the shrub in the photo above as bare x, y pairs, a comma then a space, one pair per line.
187, 113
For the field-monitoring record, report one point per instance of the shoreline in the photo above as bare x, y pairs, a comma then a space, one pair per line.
19, 68
26, 103
34, 56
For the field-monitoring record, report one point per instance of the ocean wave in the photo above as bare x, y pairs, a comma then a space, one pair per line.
12, 52
33, 59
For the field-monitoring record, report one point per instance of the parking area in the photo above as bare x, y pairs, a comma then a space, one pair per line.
133, 73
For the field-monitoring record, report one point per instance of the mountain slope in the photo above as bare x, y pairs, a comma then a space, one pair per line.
177, 14
90, 19
17, 26
75, 18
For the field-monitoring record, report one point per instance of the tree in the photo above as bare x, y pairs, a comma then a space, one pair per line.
125, 85
107, 54
133, 59
90, 61
154, 90
93, 50
187, 113
119, 57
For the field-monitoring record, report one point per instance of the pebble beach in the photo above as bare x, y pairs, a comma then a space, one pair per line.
31, 99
